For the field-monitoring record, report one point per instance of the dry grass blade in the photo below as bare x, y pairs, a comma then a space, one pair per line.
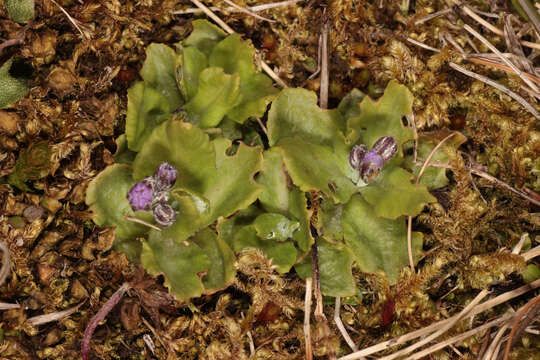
339, 324
428, 329
482, 61
498, 86
307, 314
532, 13
47, 318
433, 16
493, 348
250, 13
524, 317
229, 30
323, 97
72, 20
531, 254
256, 8
422, 45
6, 263
7, 306
142, 222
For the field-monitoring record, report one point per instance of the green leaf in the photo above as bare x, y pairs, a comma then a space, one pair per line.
20, 11
228, 227
283, 254
256, 93
11, 89
299, 211
182, 263
107, 198
204, 36
314, 167
277, 227
184, 146
349, 106
383, 117
329, 221
295, 113
335, 269
377, 243
159, 74
222, 272
275, 194
131, 247
217, 94
123, 155
393, 195
193, 62
147, 108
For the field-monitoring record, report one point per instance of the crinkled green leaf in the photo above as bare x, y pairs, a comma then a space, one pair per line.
204, 36
182, 263
434, 177
216, 95
20, 11
313, 167
283, 254
107, 198
275, 194
271, 226
295, 113
393, 195
159, 74
299, 211
193, 62
335, 269
349, 106
228, 227
329, 221
222, 272
235, 55
11, 89
377, 243
383, 117
184, 146
147, 108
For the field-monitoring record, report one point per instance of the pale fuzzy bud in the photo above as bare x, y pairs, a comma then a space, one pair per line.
386, 147
371, 166
164, 214
165, 176
357, 155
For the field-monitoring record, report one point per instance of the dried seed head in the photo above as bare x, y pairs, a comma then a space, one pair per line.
140, 196
165, 176
386, 147
357, 155
164, 214
371, 166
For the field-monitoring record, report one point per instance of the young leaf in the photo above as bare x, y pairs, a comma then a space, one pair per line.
182, 263
383, 117
204, 36
11, 89
313, 167
393, 195
159, 74
147, 108
335, 269
217, 94
377, 243
107, 197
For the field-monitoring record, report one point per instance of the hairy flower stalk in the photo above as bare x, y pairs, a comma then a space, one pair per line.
152, 193
369, 163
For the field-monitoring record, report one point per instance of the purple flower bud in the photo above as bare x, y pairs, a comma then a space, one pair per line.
386, 147
357, 155
371, 166
140, 196
164, 214
165, 176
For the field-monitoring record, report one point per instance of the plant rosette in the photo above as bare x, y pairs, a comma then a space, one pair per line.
186, 191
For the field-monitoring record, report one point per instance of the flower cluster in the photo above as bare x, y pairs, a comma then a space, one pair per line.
152, 193
369, 163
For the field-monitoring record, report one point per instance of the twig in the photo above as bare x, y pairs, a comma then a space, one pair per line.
533, 307
498, 86
307, 313
101, 314
6, 263
8, 306
442, 330
256, 8
428, 329
432, 16
229, 30
142, 222
339, 324
422, 45
246, 11
43, 319
430, 156
323, 97
503, 58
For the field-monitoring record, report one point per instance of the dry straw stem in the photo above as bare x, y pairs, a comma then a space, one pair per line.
422, 45
6, 263
246, 11
339, 324
75, 22
494, 347
524, 317
428, 329
142, 222
499, 87
233, 9
229, 30
483, 61
47, 318
8, 306
325, 77
307, 313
